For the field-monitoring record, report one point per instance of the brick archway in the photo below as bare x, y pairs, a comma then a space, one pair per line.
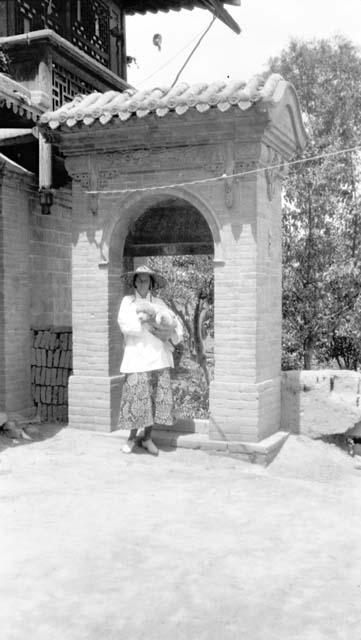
171, 226
126, 211
164, 225
163, 228
225, 153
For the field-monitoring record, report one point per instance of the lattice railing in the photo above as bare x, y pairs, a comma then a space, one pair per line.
66, 85
39, 14
89, 28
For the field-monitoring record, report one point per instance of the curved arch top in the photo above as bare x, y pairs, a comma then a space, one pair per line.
137, 203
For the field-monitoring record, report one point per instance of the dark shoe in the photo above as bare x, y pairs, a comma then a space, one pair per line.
150, 447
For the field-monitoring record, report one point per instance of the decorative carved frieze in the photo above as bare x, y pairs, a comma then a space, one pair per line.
229, 171
99, 172
105, 176
88, 178
50, 135
244, 166
121, 160
274, 169
93, 198
231, 190
77, 168
163, 159
83, 178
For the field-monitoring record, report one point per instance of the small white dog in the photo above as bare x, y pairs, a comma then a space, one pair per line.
155, 315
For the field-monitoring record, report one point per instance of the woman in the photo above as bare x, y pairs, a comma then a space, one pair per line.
147, 395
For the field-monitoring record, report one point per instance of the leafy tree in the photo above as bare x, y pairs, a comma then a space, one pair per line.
321, 226
345, 346
190, 295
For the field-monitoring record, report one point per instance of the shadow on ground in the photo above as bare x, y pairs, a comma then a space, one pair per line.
30, 435
139, 450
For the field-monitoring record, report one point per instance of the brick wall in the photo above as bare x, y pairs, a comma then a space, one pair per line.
35, 269
15, 286
51, 308
50, 263
2, 289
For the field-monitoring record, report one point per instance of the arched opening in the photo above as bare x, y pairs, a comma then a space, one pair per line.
172, 236
169, 227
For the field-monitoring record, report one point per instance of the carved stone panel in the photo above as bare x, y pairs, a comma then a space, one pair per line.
162, 159
274, 169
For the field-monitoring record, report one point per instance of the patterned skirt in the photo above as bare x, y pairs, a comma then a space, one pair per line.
147, 399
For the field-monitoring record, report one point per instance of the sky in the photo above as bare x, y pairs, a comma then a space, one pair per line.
267, 26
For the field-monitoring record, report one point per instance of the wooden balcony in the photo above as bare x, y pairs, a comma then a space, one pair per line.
45, 62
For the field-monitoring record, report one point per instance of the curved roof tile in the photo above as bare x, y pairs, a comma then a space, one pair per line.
180, 98
17, 98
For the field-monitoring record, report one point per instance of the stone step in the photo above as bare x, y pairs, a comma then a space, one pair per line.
262, 452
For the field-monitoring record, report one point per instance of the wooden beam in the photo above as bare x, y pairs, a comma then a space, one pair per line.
165, 249
45, 162
123, 47
216, 7
19, 140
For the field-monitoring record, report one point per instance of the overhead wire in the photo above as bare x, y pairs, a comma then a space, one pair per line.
170, 59
225, 176
193, 51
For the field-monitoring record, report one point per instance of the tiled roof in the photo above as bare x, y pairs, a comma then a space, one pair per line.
102, 107
215, 6
17, 98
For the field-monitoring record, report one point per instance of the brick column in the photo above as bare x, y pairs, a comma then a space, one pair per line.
269, 303
233, 392
94, 390
245, 393
15, 338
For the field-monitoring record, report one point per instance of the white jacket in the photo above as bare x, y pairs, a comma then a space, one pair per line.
143, 351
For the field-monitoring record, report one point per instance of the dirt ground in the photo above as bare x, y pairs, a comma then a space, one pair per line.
96, 545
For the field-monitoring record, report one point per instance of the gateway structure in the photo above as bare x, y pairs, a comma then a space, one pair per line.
214, 153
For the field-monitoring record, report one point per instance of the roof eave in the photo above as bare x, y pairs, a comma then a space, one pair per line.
17, 98
214, 6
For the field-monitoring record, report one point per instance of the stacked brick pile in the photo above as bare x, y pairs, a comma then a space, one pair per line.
51, 365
